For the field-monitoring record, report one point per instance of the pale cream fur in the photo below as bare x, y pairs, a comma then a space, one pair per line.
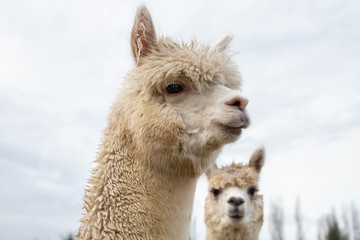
231, 211
157, 143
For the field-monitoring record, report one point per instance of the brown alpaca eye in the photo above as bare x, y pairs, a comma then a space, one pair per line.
215, 191
252, 191
174, 88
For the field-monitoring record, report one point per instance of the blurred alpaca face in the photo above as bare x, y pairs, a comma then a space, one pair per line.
233, 206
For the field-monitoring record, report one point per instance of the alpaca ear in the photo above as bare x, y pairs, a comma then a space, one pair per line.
211, 169
258, 158
143, 36
223, 44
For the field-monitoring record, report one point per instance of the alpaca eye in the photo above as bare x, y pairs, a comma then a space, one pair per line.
215, 191
252, 191
174, 88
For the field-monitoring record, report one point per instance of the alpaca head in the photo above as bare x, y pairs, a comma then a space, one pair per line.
233, 202
185, 101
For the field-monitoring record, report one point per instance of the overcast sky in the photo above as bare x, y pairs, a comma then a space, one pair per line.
62, 63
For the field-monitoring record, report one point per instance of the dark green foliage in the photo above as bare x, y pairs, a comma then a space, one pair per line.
329, 228
334, 232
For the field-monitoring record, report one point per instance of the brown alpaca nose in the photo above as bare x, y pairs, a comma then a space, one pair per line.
239, 102
235, 201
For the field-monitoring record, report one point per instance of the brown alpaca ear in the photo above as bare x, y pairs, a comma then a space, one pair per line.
257, 159
143, 35
223, 44
211, 169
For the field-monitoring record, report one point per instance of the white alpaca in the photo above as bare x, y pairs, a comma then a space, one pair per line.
233, 209
178, 107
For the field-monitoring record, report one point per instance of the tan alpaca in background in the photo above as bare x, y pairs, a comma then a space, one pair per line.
233, 209
178, 107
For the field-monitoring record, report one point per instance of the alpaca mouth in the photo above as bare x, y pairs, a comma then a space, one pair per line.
232, 129
236, 216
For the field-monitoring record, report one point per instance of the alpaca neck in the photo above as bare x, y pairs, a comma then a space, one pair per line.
173, 206
245, 233
131, 200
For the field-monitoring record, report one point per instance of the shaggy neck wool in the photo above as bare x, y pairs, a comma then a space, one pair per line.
125, 185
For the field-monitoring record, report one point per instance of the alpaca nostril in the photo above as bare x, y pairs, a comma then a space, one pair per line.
238, 102
236, 201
